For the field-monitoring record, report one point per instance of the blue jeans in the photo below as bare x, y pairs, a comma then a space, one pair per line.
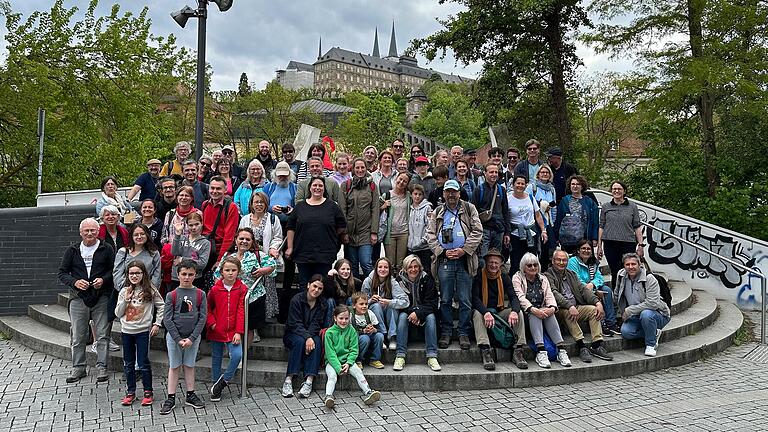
360, 256
369, 346
454, 278
297, 358
610, 310
217, 352
430, 335
387, 317
330, 305
136, 351
644, 326
491, 239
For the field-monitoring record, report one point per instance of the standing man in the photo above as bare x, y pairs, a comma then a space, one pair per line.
495, 156
86, 269
475, 170
175, 167
265, 157
220, 212
561, 171
315, 165
167, 199
190, 179
456, 154
490, 199
513, 158
398, 149
530, 166
454, 233
228, 153
146, 183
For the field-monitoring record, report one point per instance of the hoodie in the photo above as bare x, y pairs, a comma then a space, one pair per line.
226, 311
417, 226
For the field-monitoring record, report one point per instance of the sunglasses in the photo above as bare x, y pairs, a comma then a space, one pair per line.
208, 164
531, 265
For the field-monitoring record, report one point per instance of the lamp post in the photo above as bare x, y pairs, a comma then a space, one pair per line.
181, 17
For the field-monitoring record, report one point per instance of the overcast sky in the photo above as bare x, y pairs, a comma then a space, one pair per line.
258, 37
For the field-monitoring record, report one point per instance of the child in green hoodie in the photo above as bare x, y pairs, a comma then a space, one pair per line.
340, 354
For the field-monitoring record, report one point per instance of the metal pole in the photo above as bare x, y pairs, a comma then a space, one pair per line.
202, 14
246, 342
41, 138
762, 310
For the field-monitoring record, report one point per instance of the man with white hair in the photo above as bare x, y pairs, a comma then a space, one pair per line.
457, 152
176, 167
86, 269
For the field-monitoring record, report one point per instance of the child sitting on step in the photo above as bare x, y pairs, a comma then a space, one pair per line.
369, 339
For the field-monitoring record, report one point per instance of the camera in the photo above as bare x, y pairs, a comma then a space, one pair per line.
446, 235
285, 209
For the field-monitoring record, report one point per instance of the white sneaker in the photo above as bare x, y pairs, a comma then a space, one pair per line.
542, 359
287, 389
658, 336
256, 337
93, 348
562, 357
113, 346
392, 344
650, 351
305, 390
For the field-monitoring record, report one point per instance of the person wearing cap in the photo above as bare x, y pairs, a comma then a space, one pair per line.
440, 175
288, 152
146, 183
175, 168
228, 153
490, 198
561, 171
530, 166
454, 234
493, 293
475, 170
422, 176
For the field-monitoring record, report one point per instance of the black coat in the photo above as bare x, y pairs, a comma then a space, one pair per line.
72, 269
428, 297
302, 320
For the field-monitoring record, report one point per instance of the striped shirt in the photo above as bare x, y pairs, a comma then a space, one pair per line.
619, 221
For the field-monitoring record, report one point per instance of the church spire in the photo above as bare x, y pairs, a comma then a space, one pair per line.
392, 43
376, 43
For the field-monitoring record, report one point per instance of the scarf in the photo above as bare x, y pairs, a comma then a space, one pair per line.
182, 214
549, 187
117, 203
499, 287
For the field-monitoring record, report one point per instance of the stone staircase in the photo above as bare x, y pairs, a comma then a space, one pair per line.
700, 326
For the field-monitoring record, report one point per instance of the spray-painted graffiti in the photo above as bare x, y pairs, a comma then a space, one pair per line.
667, 250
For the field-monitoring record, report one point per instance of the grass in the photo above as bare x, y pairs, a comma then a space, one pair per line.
745, 333
4, 336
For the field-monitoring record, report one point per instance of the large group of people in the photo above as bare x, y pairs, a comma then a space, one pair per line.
514, 247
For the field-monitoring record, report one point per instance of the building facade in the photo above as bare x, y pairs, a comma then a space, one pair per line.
296, 76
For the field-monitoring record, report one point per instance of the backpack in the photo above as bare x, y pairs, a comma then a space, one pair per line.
502, 332
664, 292
199, 299
572, 229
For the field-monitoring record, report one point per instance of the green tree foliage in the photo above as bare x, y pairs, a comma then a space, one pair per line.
101, 80
449, 117
525, 45
376, 122
243, 87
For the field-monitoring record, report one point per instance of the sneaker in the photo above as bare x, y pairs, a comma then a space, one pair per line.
519, 359
128, 399
149, 398
113, 346
562, 357
93, 348
444, 342
376, 364
433, 364
464, 342
384, 346
392, 344
371, 397
584, 354
399, 364
658, 337
305, 390
287, 389
601, 353
194, 401
75, 374
542, 359
607, 331
168, 406
329, 401
101, 374
256, 337
488, 363
217, 388
650, 351
359, 365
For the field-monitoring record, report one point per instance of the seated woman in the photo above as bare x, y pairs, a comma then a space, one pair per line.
587, 268
340, 284
539, 307
386, 298
110, 196
420, 288
302, 336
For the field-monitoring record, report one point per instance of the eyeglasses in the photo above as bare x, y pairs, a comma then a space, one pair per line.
205, 164
169, 187
135, 273
398, 146
288, 151
529, 265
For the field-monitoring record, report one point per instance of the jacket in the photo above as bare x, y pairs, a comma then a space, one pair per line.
422, 295
427, 182
477, 295
649, 291
73, 268
399, 297
122, 232
592, 212
418, 220
499, 221
582, 271
226, 312
520, 284
198, 250
242, 198
341, 346
581, 293
151, 261
303, 320
359, 201
473, 231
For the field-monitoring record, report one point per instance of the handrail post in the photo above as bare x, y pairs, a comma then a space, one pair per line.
762, 309
246, 342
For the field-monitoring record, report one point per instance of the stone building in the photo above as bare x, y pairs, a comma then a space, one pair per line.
296, 75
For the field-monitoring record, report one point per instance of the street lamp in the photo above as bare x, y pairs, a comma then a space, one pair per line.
181, 17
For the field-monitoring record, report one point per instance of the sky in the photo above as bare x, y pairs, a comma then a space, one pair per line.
258, 37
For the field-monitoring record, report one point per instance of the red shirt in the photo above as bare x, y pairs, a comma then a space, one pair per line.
225, 232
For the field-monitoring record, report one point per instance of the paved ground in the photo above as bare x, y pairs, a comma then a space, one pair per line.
726, 392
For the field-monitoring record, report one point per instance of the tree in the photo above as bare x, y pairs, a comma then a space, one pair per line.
243, 88
524, 45
449, 117
376, 122
101, 80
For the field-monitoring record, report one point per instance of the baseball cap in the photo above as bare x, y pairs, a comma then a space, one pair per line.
282, 168
555, 151
451, 184
228, 147
421, 159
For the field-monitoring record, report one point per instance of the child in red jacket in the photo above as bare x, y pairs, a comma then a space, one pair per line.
226, 316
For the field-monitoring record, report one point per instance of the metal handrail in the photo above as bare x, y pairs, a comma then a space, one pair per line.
738, 265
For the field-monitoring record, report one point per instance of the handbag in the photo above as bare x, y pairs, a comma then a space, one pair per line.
486, 215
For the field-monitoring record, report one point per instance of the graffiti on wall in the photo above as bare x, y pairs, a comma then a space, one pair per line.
667, 250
